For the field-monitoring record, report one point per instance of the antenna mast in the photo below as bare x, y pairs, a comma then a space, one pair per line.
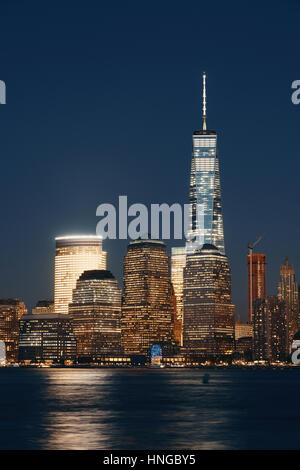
204, 101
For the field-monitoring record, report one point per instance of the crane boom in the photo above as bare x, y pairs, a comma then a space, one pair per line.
258, 240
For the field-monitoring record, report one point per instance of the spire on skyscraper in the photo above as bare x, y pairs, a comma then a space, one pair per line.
204, 101
206, 224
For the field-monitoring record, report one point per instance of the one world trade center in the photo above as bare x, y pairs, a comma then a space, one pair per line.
206, 220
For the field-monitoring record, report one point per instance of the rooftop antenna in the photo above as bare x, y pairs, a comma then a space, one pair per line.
204, 101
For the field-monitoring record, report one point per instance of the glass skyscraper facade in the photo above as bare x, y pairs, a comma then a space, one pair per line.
208, 314
95, 314
73, 256
46, 337
208, 327
205, 193
148, 308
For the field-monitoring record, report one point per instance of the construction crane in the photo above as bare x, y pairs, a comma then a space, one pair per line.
250, 248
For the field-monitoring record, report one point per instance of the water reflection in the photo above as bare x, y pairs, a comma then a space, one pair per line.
148, 409
78, 416
96, 409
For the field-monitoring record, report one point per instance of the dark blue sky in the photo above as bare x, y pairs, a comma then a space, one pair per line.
102, 100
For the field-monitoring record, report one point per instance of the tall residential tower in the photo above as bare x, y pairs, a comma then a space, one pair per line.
258, 268
288, 292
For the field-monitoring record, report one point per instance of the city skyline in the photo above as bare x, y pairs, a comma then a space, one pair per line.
150, 259
60, 152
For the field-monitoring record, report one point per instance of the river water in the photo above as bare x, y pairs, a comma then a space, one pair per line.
149, 409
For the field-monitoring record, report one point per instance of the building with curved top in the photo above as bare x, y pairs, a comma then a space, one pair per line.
148, 304
95, 314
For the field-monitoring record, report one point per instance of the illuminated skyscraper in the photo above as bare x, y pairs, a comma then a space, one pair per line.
205, 188
258, 279
208, 326
261, 331
11, 311
289, 292
74, 255
147, 313
96, 315
178, 260
270, 333
279, 329
208, 314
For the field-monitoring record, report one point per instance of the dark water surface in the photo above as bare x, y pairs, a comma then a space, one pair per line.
149, 409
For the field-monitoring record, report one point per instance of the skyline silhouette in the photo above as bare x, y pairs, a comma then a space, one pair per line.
103, 101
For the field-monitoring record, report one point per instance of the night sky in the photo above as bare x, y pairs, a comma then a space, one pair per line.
102, 101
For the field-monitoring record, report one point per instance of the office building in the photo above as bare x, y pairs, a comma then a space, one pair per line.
178, 260
96, 315
147, 310
11, 311
46, 337
73, 256
243, 330
243, 346
208, 313
244, 340
208, 327
205, 189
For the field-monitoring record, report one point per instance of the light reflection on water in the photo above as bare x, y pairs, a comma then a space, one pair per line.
79, 417
148, 409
